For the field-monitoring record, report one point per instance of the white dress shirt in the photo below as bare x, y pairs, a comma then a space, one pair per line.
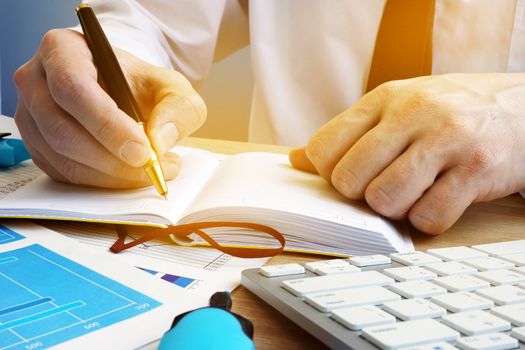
310, 58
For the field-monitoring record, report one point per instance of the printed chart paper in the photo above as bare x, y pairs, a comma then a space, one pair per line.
56, 292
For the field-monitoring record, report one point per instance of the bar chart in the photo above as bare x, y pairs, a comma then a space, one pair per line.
8, 235
48, 299
180, 281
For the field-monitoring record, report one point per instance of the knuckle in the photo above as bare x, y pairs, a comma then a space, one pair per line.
387, 89
199, 107
20, 78
66, 86
71, 171
478, 162
59, 135
421, 103
105, 130
50, 39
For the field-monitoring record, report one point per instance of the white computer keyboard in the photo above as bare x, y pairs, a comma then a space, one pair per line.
447, 298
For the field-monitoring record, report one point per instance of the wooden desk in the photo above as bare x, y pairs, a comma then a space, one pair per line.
499, 220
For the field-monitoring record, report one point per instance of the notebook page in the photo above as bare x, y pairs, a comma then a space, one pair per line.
264, 180
48, 198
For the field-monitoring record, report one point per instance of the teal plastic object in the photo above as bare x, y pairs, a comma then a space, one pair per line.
12, 151
208, 328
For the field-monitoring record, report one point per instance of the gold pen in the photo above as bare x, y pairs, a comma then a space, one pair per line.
116, 84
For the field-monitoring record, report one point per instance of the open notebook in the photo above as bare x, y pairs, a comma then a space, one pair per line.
250, 187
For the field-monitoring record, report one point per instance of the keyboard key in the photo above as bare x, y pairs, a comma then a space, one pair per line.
519, 333
487, 264
461, 283
516, 259
520, 269
491, 341
462, 301
457, 253
332, 270
449, 268
326, 302
414, 258
502, 248
413, 309
281, 270
514, 313
369, 260
409, 333
409, 273
317, 284
503, 295
432, 346
312, 265
476, 322
356, 318
497, 277
417, 289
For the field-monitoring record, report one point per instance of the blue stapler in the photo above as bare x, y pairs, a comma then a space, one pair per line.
12, 151
212, 328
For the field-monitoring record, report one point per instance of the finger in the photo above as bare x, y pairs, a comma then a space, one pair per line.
300, 161
329, 144
78, 173
41, 162
26, 131
443, 204
403, 182
66, 136
367, 158
178, 112
75, 88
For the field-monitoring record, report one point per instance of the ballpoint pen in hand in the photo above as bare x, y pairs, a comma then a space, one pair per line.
116, 84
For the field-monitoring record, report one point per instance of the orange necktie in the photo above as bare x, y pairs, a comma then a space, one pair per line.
404, 42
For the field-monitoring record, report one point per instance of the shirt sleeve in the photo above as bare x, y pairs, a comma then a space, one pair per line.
179, 34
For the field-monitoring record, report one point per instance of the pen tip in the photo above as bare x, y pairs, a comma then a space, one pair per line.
165, 196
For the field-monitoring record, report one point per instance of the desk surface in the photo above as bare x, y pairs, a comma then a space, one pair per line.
499, 220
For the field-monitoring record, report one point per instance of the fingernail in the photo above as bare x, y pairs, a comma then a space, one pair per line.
134, 153
167, 137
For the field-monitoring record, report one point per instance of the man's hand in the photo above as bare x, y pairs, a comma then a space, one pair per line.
76, 133
427, 147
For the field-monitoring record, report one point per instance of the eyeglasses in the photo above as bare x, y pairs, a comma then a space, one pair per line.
180, 235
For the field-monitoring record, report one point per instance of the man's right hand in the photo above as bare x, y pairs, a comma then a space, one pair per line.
76, 133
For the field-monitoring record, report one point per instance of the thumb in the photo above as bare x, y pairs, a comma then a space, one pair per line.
300, 161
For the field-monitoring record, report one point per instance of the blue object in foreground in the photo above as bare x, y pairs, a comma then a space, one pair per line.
211, 328
12, 151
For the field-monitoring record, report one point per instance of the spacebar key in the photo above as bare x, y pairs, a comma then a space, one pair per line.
409, 333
